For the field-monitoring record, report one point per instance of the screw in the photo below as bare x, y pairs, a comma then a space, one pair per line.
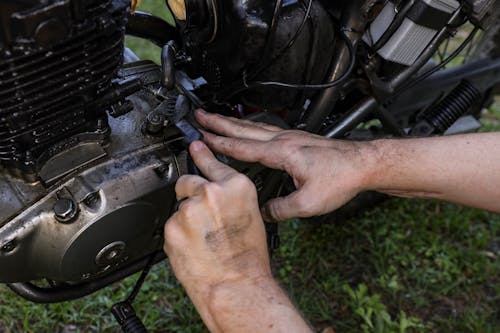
92, 200
163, 171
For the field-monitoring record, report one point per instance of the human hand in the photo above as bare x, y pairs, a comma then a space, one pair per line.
217, 236
327, 173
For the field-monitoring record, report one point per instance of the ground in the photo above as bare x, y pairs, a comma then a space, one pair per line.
407, 266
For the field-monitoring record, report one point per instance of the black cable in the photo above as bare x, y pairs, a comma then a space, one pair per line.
280, 53
340, 80
141, 279
301, 27
290, 43
271, 35
124, 312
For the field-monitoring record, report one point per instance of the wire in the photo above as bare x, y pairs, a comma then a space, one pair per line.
142, 278
339, 81
271, 36
439, 66
290, 43
292, 40
258, 69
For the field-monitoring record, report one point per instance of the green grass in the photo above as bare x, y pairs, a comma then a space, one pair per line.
430, 265
406, 266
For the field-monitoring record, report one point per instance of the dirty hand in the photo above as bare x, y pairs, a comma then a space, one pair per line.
217, 236
327, 173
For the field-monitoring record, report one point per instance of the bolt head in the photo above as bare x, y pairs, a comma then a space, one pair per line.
65, 210
111, 254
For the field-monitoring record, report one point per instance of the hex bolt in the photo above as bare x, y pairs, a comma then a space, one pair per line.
9, 247
155, 122
65, 210
163, 171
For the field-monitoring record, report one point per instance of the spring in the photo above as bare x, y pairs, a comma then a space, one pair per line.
453, 106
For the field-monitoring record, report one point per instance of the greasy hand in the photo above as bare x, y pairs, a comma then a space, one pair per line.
327, 173
217, 236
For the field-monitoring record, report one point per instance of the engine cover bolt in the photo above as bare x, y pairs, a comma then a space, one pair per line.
155, 122
65, 210
110, 254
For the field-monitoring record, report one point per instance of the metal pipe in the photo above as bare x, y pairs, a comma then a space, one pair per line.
152, 28
354, 22
42, 295
351, 119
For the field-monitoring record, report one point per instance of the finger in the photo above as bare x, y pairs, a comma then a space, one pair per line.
297, 204
209, 166
173, 234
188, 185
246, 150
248, 122
233, 127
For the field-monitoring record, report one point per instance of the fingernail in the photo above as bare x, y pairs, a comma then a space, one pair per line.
201, 112
264, 211
197, 146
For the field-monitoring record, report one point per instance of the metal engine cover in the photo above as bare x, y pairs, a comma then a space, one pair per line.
97, 219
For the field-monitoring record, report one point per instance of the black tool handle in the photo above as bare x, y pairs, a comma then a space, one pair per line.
191, 134
125, 315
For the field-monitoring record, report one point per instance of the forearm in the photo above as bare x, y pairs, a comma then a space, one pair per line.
464, 169
253, 306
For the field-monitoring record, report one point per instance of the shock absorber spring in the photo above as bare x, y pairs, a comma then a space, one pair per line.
452, 107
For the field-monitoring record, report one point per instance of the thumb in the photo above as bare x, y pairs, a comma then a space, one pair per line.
297, 204
209, 166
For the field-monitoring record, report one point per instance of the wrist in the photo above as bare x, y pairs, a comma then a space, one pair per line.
385, 153
254, 298
228, 292
215, 298
374, 155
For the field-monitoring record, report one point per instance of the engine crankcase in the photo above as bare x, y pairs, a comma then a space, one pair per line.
96, 220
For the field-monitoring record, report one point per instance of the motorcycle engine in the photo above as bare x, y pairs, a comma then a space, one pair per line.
81, 193
227, 40
87, 165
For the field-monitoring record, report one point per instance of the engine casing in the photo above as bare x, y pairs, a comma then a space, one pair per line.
120, 202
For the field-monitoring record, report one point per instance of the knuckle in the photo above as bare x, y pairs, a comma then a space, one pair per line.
181, 182
286, 142
293, 133
276, 212
169, 229
211, 190
242, 181
237, 145
172, 233
305, 208
290, 134
183, 178
185, 211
